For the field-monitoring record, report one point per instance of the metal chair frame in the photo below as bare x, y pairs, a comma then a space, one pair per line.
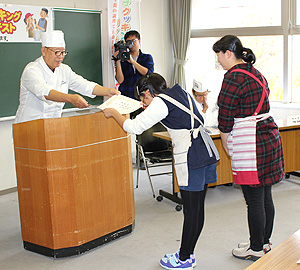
149, 160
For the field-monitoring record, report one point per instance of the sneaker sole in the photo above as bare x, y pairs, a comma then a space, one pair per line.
249, 257
165, 267
267, 249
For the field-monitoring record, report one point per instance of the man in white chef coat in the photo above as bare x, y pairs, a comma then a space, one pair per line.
45, 83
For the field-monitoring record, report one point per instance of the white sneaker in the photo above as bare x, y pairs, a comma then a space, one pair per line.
247, 253
266, 247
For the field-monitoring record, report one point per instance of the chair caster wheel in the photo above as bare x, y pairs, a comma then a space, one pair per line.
178, 207
159, 198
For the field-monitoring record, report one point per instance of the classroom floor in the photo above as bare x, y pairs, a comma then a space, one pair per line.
158, 230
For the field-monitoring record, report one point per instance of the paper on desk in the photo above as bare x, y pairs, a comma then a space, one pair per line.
121, 103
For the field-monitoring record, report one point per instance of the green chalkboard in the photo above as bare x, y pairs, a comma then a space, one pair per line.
83, 38
13, 58
83, 42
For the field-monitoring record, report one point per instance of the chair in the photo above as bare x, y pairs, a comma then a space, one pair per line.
154, 152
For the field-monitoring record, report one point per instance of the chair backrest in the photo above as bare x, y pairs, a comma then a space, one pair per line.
151, 143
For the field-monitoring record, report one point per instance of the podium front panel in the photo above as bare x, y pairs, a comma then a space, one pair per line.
74, 180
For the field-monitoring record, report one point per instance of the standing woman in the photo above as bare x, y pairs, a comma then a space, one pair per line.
194, 152
251, 138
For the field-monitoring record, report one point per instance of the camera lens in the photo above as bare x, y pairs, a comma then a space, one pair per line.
125, 56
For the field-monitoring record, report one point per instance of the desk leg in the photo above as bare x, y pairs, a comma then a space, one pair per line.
173, 197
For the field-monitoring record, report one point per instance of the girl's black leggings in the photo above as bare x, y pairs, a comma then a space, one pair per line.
261, 214
193, 211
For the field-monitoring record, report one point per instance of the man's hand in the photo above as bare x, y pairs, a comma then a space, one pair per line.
205, 104
130, 60
113, 92
78, 101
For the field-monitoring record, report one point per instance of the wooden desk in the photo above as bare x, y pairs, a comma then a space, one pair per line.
290, 136
284, 256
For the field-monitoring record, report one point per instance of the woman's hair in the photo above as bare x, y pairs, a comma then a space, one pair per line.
233, 44
153, 82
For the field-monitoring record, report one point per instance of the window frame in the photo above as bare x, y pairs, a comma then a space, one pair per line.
287, 29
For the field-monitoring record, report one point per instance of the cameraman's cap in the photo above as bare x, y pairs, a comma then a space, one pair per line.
53, 39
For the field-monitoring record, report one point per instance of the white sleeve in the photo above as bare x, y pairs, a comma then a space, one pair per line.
79, 84
154, 113
33, 81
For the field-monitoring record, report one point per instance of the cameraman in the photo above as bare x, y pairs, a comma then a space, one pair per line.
139, 64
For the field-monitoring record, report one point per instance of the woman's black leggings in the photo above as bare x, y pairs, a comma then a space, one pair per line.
193, 211
260, 215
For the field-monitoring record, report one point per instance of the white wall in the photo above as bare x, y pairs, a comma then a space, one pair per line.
155, 37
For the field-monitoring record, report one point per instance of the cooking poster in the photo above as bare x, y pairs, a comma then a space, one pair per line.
24, 23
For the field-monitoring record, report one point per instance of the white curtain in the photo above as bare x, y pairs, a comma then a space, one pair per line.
181, 30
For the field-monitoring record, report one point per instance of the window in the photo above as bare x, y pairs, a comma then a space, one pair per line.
295, 41
235, 13
267, 27
296, 69
298, 12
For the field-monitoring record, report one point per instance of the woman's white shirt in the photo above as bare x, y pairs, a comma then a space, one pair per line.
154, 113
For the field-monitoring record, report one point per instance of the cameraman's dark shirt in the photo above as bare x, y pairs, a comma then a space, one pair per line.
131, 75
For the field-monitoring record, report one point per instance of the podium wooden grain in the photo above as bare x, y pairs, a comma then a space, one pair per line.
75, 183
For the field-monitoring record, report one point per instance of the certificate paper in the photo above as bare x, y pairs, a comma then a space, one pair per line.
122, 104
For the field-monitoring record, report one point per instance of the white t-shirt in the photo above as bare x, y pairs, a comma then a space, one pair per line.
38, 80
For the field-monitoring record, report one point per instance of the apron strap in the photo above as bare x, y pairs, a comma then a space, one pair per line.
181, 106
262, 84
210, 146
192, 111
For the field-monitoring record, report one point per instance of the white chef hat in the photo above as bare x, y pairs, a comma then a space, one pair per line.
200, 86
53, 39
197, 86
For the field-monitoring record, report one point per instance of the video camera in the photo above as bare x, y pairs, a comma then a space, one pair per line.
123, 48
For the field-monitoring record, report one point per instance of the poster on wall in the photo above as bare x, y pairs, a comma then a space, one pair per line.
20, 23
124, 15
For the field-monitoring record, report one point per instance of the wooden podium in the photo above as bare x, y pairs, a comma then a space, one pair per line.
75, 183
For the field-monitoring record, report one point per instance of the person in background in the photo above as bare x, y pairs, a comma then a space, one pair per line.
194, 152
42, 23
29, 21
139, 64
251, 138
207, 107
45, 83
